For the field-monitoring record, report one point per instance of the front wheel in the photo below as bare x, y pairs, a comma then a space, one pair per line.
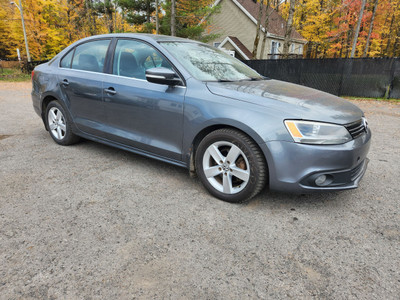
230, 165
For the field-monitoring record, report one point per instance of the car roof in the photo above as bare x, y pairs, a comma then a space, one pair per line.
143, 36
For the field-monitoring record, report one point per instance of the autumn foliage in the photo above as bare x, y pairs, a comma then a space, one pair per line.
329, 26
51, 25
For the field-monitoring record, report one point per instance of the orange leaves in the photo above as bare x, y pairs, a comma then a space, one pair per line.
51, 25
329, 27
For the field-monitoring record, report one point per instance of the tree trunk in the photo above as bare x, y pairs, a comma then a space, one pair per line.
289, 26
348, 42
148, 12
173, 18
303, 16
157, 19
108, 16
309, 49
353, 49
396, 51
114, 17
370, 28
390, 37
266, 24
257, 38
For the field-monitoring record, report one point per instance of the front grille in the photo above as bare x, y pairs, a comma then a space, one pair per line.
356, 129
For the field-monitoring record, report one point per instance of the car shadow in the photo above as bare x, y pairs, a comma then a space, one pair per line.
267, 199
131, 158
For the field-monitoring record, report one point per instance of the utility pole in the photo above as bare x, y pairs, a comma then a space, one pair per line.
23, 27
173, 18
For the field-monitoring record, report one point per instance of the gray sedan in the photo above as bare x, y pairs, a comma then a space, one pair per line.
189, 104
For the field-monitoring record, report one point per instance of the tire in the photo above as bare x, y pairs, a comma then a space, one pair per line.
230, 165
59, 124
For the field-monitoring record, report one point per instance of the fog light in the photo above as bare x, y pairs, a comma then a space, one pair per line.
321, 179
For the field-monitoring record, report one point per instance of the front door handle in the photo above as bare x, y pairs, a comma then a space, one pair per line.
110, 91
65, 82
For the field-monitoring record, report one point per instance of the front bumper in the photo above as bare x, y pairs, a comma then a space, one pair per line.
293, 167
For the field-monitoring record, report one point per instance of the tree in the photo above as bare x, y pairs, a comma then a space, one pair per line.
370, 29
157, 18
139, 12
288, 31
258, 29
190, 18
353, 48
266, 23
7, 46
329, 26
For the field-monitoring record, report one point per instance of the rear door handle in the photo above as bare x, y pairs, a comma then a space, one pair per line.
110, 91
65, 82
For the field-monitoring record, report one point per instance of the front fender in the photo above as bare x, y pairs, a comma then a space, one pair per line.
258, 122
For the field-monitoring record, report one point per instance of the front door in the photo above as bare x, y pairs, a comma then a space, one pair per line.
141, 114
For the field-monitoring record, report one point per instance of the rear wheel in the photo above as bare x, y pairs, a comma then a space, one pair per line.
230, 165
59, 124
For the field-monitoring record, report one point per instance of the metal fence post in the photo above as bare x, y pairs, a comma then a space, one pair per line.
389, 87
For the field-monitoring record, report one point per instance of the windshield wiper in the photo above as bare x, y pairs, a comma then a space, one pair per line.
225, 80
238, 80
252, 79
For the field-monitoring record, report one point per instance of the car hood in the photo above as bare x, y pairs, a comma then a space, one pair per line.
294, 101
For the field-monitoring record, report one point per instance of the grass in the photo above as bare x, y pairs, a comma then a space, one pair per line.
13, 74
375, 99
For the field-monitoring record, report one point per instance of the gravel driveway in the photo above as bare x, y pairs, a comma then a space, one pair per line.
92, 222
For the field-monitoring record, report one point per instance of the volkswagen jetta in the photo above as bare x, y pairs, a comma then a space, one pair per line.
192, 105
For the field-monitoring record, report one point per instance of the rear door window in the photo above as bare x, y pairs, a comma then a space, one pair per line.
91, 56
66, 60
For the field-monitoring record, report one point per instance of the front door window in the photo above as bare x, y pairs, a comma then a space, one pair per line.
132, 59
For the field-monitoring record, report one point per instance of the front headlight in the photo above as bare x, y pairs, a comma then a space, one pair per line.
308, 132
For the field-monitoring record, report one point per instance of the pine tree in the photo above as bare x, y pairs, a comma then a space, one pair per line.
139, 12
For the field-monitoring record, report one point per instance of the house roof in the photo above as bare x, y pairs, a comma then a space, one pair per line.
242, 47
276, 24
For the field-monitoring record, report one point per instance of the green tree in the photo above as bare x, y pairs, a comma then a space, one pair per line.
139, 12
191, 18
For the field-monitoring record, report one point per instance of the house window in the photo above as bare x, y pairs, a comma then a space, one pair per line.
216, 44
292, 48
301, 49
275, 49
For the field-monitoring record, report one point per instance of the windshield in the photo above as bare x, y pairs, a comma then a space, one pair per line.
207, 63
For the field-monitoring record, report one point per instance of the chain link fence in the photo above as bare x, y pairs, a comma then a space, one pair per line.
357, 77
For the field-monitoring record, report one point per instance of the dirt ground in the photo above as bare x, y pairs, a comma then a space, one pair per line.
92, 222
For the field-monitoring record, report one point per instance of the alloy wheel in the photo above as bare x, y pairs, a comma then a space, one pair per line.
226, 167
57, 124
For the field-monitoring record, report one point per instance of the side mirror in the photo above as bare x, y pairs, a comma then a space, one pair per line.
162, 76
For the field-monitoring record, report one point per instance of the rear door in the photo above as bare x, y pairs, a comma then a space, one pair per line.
141, 114
80, 77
